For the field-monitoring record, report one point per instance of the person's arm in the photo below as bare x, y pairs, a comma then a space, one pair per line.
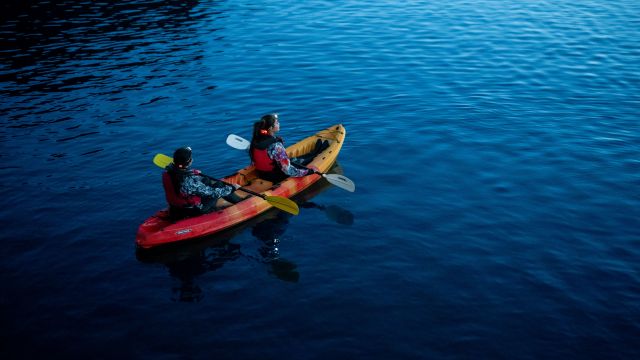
278, 153
195, 186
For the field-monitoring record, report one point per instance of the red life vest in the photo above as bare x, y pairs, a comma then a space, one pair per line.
261, 159
177, 198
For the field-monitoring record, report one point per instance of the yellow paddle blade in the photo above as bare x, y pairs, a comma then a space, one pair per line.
162, 160
283, 204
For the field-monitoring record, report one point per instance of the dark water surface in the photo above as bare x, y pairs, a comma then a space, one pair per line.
495, 146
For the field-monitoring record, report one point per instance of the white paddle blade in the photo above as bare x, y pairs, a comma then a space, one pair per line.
237, 142
340, 181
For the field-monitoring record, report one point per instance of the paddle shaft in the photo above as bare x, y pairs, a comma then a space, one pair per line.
240, 188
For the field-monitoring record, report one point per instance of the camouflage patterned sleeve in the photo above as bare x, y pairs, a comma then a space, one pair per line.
278, 153
193, 185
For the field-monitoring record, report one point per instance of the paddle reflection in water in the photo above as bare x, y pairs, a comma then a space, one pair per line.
269, 232
272, 229
333, 212
188, 261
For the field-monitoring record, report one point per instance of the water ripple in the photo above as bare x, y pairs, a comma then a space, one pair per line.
494, 143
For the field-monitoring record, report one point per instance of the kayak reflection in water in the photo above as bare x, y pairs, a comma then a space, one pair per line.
186, 263
198, 263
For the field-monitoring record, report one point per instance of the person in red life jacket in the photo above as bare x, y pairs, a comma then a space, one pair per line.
188, 192
269, 156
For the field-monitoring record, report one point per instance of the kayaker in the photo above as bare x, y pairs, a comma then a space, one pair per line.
269, 156
188, 192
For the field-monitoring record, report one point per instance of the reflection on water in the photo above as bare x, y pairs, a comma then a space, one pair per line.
196, 264
62, 38
333, 212
70, 68
269, 232
186, 262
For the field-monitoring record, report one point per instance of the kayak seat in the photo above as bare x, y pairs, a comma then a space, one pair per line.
176, 213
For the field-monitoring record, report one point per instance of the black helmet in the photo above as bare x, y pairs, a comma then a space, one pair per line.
269, 119
182, 156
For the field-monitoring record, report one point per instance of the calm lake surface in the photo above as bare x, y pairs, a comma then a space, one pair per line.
495, 146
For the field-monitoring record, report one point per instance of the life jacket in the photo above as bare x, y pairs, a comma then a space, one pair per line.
260, 157
171, 180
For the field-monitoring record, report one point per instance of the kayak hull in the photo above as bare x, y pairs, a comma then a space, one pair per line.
159, 229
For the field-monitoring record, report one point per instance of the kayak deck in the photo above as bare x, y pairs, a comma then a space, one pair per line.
160, 229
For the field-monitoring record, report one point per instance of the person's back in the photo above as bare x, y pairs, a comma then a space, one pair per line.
188, 192
268, 153
181, 205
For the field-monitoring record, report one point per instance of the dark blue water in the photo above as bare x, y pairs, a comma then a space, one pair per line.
495, 146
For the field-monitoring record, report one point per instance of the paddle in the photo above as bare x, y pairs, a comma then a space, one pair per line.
340, 181
237, 142
279, 202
